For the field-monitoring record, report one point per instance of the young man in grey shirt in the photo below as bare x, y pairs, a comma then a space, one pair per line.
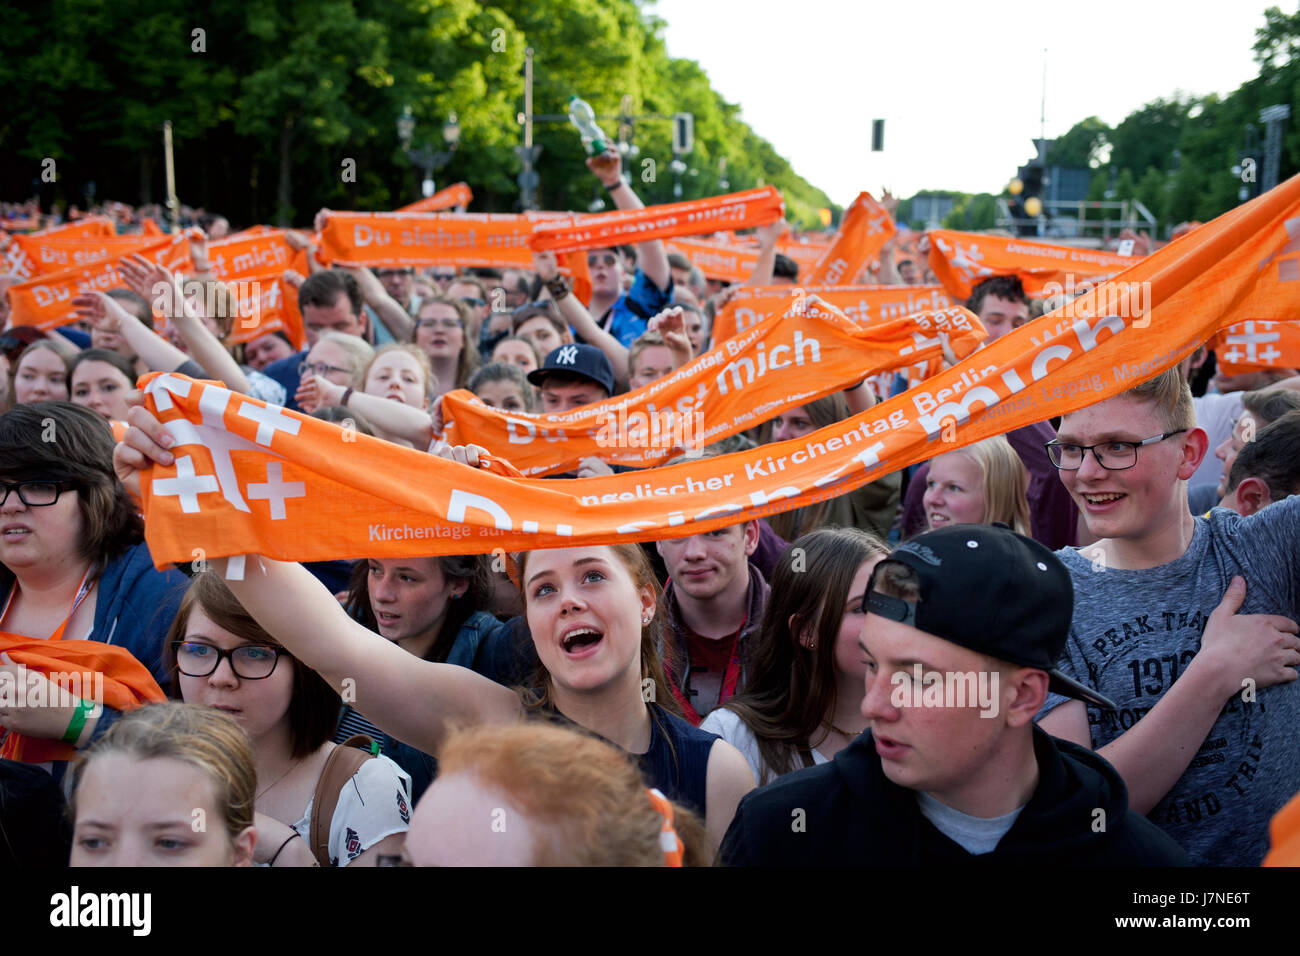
1188, 624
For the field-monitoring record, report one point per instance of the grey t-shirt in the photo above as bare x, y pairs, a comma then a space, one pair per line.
1135, 631
975, 835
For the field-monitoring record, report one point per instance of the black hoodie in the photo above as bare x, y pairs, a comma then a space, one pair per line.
853, 815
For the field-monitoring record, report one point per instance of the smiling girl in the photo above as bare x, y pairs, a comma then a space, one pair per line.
979, 484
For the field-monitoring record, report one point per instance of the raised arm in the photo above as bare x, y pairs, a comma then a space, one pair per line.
104, 313
575, 313
651, 257
393, 418
411, 699
389, 310
766, 265
205, 348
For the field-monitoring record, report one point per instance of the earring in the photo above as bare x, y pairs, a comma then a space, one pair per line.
645, 621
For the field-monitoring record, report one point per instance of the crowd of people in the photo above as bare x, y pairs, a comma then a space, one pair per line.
1119, 585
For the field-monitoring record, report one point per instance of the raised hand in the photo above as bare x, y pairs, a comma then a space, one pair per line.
608, 167
101, 311
316, 392
671, 324
769, 234
545, 265
154, 283
1257, 647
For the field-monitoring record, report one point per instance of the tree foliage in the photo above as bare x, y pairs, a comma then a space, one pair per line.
271, 98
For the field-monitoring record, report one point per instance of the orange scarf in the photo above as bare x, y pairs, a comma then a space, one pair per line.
19, 263
734, 260
458, 239
253, 479
864, 230
744, 210
720, 393
46, 300
105, 673
864, 304
961, 260
253, 264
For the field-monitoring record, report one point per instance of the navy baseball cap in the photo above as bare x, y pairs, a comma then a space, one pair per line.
988, 589
585, 360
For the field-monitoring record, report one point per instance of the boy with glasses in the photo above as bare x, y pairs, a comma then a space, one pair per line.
1189, 624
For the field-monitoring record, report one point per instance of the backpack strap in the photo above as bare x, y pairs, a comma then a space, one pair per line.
342, 764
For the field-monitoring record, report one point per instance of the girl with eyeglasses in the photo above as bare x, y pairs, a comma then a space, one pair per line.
79, 594
220, 657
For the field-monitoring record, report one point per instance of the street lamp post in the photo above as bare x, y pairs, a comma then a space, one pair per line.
426, 158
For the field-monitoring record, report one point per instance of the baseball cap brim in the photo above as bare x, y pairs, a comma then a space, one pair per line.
1060, 684
538, 375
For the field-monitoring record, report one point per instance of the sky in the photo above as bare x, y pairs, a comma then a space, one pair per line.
959, 84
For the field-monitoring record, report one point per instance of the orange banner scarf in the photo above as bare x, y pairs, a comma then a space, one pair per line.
253, 266
743, 210
864, 304
19, 262
864, 230
458, 239
455, 195
118, 680
720, 393
46, 301
61, 254
716, 260
249, 478
961, 260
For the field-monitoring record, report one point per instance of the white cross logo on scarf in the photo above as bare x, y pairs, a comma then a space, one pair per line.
568, 355
212, 433
187, 486
967, 262
276, 490
1248, 337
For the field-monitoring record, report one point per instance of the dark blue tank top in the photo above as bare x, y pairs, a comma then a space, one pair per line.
677, 762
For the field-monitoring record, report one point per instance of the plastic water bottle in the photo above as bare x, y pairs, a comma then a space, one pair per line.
581, 116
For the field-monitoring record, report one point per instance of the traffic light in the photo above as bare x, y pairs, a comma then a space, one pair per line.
1028, 202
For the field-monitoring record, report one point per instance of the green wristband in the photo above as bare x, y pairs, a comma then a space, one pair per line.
78, 722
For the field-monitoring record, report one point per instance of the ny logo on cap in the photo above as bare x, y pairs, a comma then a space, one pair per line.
922, 552
568, 355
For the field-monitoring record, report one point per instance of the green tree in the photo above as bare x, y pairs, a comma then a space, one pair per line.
1086, 144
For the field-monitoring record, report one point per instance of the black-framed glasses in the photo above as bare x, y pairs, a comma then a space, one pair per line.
34, 494
248, 661
1111, 455
319, 368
